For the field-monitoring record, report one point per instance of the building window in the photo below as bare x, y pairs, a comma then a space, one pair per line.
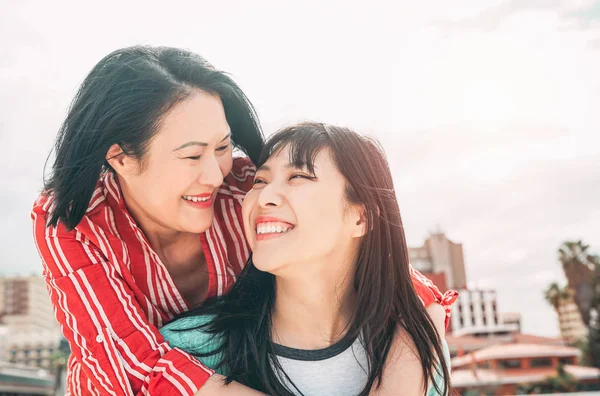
567, 360
485, 320
473, 320
509, 364
540, 362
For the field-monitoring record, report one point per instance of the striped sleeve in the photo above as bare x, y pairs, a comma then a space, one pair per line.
110, 337
241, 177
429, 293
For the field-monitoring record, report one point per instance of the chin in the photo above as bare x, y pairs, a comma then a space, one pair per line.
265, 264
197, 227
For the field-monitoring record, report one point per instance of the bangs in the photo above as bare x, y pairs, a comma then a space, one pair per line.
304, 142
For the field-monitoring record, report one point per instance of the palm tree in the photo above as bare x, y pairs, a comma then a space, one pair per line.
579, 266
554, 294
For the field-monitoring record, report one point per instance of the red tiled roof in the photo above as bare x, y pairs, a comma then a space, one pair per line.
468, 377
469, 343
515, 351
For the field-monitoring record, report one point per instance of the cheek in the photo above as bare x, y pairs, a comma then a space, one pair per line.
225, 163
248, 205
162, 187
321, 221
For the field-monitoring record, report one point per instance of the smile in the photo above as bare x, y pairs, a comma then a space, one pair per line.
196, 198
273, 228
200, 201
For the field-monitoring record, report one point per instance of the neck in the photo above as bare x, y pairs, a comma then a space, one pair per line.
313, 311
165, 241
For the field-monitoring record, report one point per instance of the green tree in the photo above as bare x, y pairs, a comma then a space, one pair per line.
579, 268
561, 382
554, 294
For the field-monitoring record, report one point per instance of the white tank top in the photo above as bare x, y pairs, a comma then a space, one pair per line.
340, 369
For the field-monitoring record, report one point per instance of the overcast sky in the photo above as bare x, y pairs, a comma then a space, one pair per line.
488, 109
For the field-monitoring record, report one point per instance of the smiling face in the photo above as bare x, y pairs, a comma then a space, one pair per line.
298, 221
174, 188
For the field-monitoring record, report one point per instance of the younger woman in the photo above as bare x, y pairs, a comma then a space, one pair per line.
326, 305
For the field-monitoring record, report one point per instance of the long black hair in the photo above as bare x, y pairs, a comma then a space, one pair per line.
122, 101
386, 299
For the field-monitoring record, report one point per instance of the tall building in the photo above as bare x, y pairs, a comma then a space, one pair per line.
25, 305
476, 313
571, 325
439, 255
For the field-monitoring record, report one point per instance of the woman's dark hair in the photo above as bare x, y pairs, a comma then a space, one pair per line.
122, 101
386, 299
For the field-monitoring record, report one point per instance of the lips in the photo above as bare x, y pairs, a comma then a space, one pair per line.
268, 227
201, 201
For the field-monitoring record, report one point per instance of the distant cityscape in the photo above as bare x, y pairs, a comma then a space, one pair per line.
490, 354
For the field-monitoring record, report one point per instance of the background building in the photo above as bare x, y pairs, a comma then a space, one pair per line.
30, 334
511, 318
500, 369
439, 255
476, 313
24, 304
572, 328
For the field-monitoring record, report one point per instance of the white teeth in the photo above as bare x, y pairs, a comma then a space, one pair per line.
272, 228
195, 199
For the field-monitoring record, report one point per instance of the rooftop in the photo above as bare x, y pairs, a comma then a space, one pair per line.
515, 351
480, 377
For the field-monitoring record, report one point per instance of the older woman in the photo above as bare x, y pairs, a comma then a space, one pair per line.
141, 217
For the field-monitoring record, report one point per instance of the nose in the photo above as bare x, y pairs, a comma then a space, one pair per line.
210, 172
269, 196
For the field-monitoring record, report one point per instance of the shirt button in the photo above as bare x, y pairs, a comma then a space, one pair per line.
99, 338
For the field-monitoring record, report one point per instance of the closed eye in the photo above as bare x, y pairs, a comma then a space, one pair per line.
194, 157
223, 148
302, 176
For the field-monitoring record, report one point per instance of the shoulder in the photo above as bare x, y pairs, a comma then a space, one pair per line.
429, 293
438, 378
437, 313
403, 371
241, 177
44, 204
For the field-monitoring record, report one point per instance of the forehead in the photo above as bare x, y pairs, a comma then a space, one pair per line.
281, 160
201, 117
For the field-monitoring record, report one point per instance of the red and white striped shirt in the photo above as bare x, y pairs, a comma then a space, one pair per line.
111, 292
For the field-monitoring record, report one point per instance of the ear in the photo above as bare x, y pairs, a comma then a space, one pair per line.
119, 161
360, 212
359, 219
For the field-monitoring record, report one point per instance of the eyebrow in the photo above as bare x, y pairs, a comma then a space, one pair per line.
267, 168
196, 143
